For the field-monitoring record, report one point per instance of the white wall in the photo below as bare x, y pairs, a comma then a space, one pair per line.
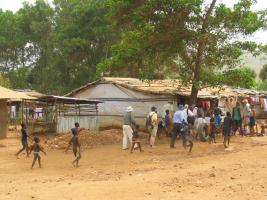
65, 124
111, 112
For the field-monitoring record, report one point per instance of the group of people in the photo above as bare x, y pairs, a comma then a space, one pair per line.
192, 122
187, 122
36, 148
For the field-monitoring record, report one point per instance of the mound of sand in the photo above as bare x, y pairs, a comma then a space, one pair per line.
87, 138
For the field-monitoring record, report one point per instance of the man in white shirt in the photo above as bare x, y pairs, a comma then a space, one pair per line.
187, 112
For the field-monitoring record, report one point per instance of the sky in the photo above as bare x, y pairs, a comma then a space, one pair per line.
259, 36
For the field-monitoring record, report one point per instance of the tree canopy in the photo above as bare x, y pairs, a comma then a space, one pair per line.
190, 38
56, 48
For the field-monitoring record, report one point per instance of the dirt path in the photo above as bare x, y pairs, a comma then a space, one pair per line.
107, 172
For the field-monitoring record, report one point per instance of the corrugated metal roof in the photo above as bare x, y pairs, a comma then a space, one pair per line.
66, 100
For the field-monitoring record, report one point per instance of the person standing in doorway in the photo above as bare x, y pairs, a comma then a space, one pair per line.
128, 121
152, 125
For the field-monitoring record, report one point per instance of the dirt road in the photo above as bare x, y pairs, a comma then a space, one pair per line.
107, 172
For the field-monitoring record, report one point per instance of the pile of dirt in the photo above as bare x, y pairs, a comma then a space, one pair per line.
88, 139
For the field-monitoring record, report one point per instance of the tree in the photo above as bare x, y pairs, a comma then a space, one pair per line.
263, 85
54, 49
241, 77
4, 82
190, 36
263, 72
82, 38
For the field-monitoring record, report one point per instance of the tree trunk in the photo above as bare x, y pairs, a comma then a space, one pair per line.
194, 93
200, 51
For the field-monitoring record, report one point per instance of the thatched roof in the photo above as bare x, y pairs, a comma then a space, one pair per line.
11, 94
169, 87
30, 92
162, 87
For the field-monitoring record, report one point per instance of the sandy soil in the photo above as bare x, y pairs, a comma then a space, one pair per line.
107, 172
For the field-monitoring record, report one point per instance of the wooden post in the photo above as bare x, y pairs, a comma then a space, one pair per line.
3, 118
22, 108
26, 106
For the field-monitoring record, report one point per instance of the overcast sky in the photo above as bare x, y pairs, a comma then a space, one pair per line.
260, 36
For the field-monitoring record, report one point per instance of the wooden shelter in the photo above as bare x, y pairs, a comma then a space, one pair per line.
60, 113
5, 95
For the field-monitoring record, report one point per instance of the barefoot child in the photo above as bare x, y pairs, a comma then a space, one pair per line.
212, 130
76, 145
24, 140
227, 128
252, 121
36, 148
135, 139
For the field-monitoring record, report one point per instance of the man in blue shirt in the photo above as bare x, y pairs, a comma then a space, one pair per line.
178, 119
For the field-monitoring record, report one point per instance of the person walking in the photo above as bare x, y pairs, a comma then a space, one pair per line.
246, 113
178, 120
237, 118
152, 125
217, 115
227, 128
128, 121
24, 140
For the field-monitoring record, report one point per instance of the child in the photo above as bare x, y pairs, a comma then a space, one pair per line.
212, 130
76, 145
227, 128
252, 121
167, 122
189, 136
135, 139
36, 148
24, 140
262, 133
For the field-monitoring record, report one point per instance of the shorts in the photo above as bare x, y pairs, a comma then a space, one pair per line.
36, 154
24, 143
252, 121
153, 131
135, 140
226, 133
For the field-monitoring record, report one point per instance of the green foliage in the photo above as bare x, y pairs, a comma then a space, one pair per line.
196, 41
262, 85
241, 77
55, 48
4, 82
263, 72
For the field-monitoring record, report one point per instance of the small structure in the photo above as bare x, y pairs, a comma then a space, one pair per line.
5, 95
60, 113
118, 93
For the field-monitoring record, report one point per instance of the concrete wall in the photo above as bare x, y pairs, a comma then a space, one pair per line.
117, 99
3, 118
65, 124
